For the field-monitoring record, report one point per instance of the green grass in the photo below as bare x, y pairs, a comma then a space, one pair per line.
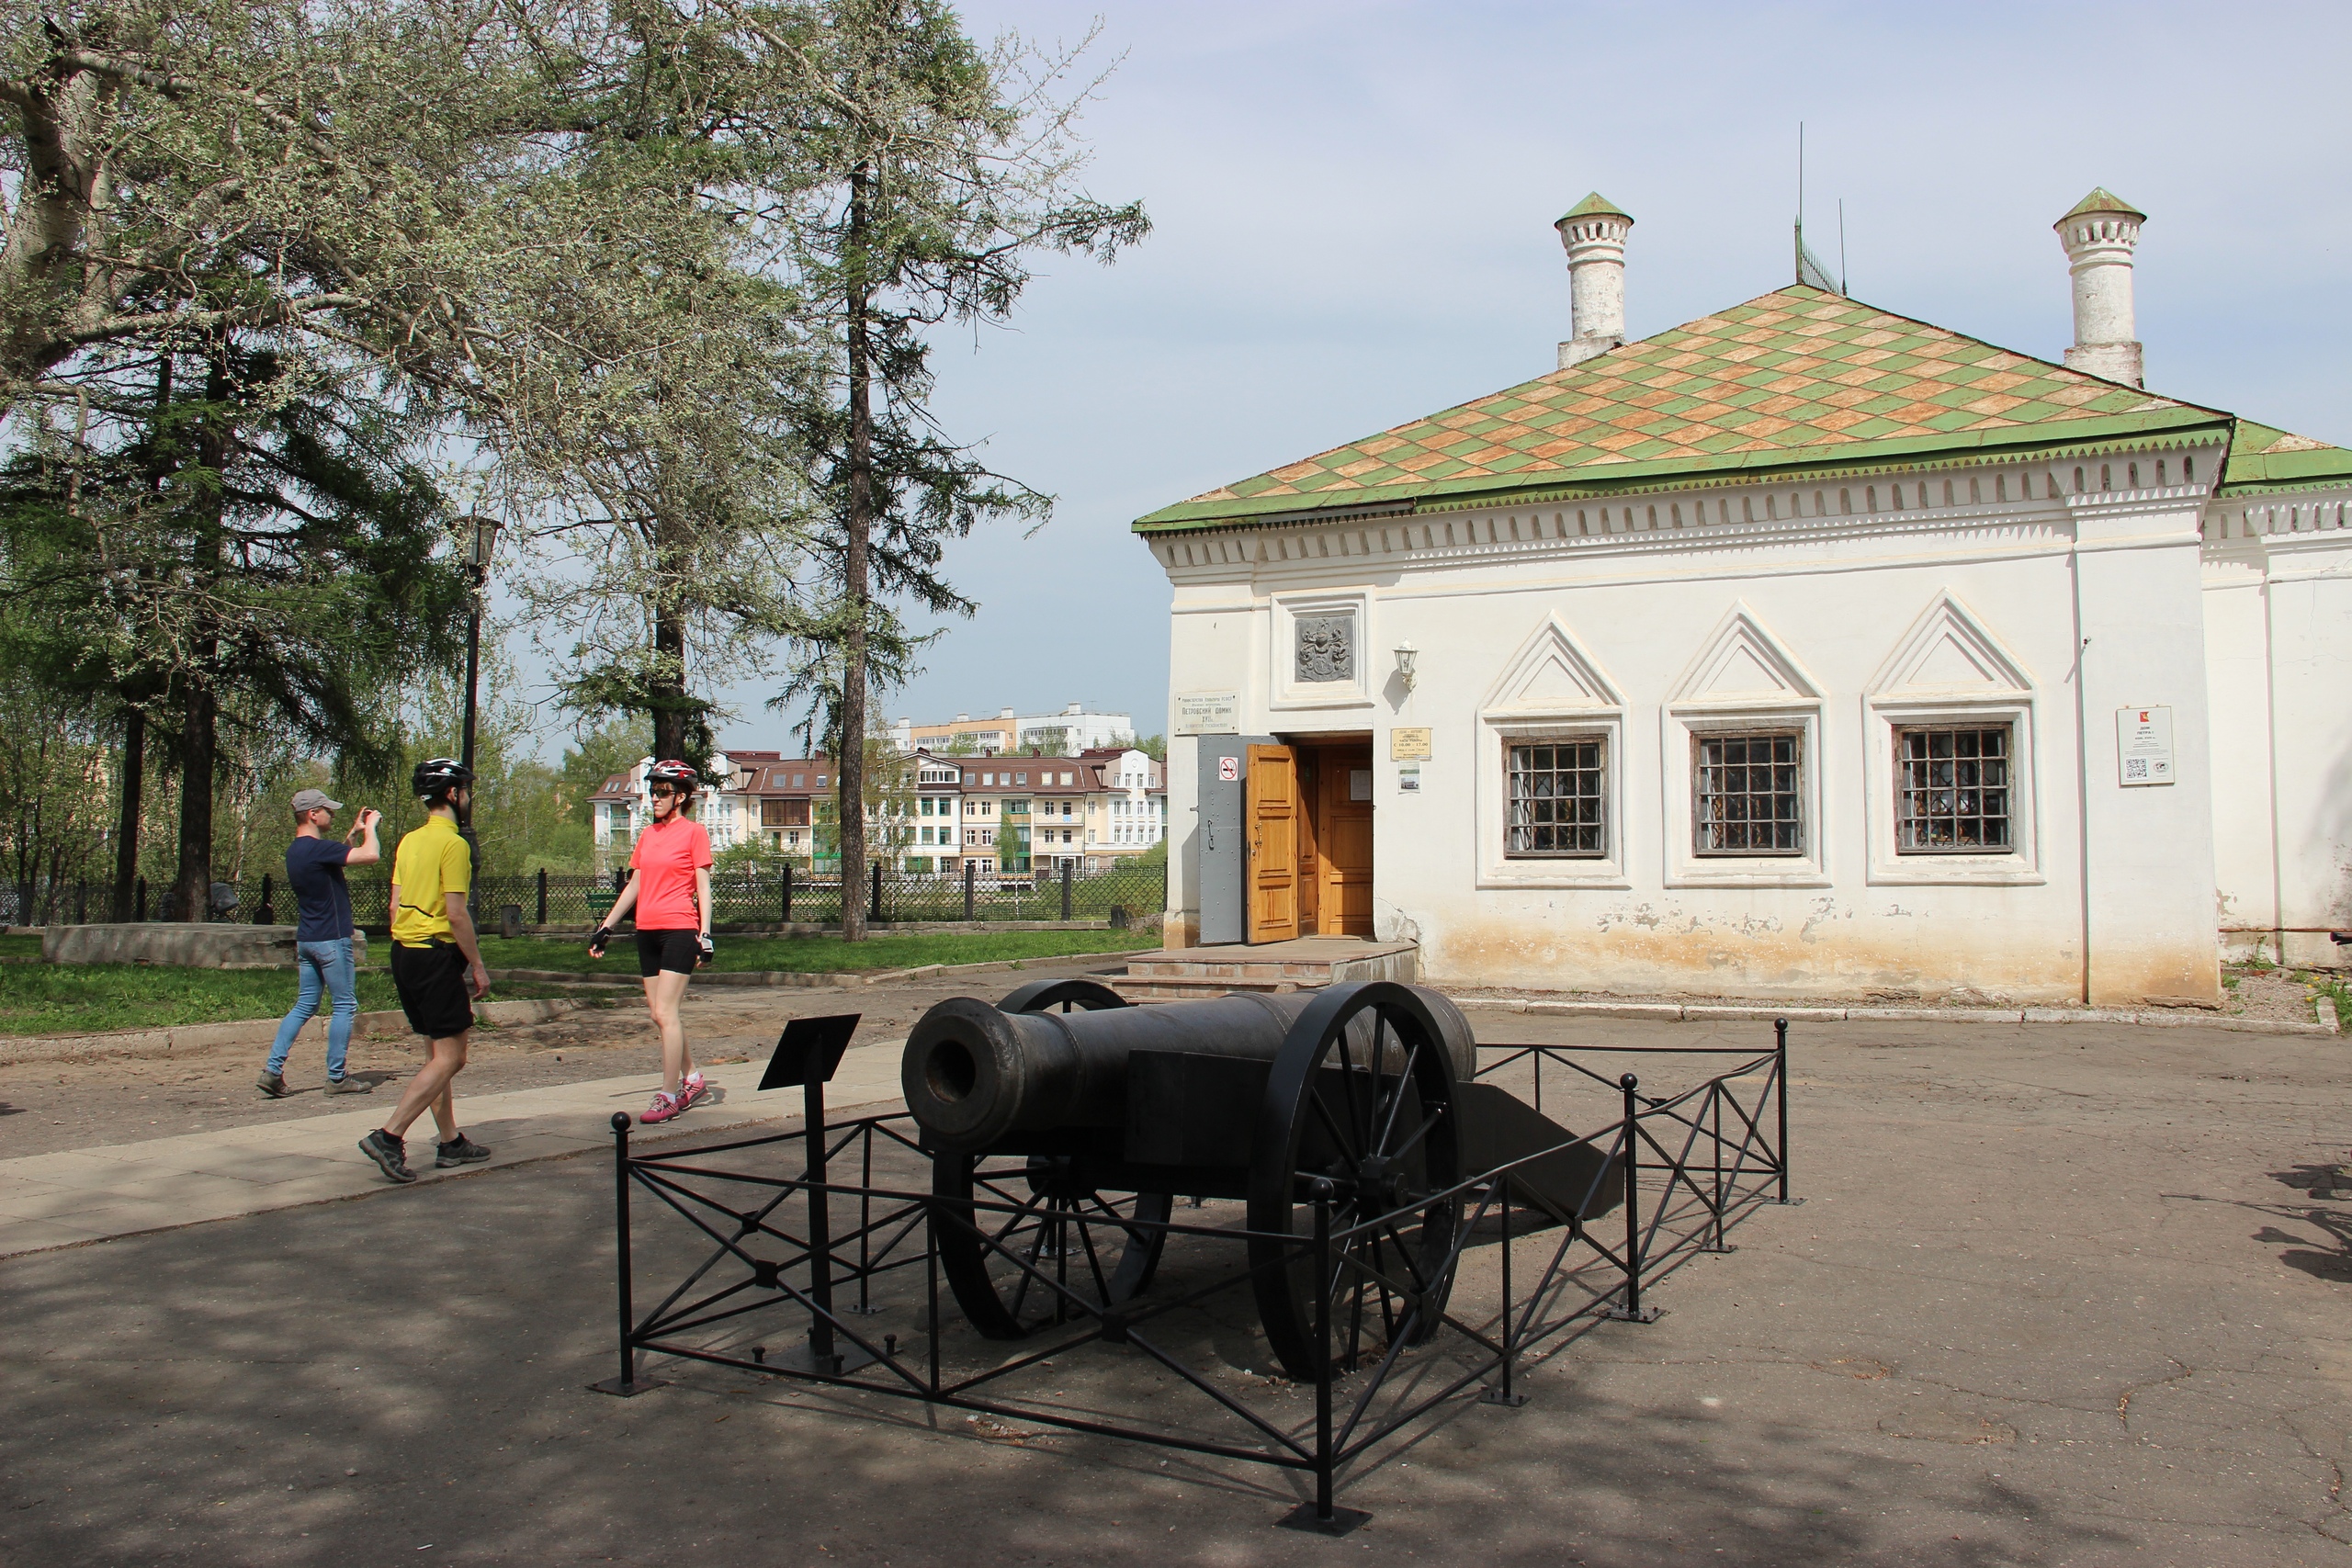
19, 947
86, 999
823, 954
2337, 990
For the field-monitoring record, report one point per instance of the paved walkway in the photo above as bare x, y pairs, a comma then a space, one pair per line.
59, 1200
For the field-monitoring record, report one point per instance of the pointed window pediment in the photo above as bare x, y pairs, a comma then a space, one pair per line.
1744, 662
1552, 674
1948, 651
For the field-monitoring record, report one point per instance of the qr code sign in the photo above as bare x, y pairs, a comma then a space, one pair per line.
2135, 767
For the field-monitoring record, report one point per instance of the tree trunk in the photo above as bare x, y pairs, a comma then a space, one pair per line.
134, 725
198, 728
126, 839
849, 768
668, 689
194, 883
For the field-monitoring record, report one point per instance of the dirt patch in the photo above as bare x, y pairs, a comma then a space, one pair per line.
2279, 996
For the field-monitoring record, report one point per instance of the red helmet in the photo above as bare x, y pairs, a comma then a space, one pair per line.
679, 776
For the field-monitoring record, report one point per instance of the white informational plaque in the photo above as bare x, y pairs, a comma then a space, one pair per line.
2144, 746
1208, 713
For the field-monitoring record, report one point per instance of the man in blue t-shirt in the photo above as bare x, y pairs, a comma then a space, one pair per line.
314, 865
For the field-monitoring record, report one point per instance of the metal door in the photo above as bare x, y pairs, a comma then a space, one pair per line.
1223, 766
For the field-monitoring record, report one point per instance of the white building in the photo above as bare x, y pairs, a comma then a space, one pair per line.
1801, 650
1128, 810
1076, 729
728, 806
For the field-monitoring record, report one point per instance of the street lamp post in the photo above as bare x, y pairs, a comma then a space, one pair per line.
480, 541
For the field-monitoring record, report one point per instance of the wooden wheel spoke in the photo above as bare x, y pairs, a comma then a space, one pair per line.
1093, 1263
1027, 1213
1401, 1150
1347, 1074
1405, 1256
1396, 1100
1331, 1125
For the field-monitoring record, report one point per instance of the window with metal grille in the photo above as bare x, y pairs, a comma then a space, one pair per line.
1749, 798
1558, 794
1952, 791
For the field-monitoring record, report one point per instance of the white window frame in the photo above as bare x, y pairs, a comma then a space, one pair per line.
1684, 724
2021, 866
1289, 693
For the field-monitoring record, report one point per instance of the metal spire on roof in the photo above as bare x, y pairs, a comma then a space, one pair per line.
1810, 272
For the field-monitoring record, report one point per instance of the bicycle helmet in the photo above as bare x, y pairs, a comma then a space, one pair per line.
679, 776
436, 776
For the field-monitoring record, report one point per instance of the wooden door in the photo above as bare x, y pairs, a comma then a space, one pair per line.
1270, 820
1344, 841
1310, 863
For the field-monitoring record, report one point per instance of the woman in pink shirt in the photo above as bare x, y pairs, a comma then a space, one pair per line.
669, 886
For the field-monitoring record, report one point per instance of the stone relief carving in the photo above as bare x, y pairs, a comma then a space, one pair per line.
1327, 648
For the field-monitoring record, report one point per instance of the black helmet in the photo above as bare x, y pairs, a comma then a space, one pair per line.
679, 776
436, 776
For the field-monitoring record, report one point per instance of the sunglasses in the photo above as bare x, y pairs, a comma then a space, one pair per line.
660, 792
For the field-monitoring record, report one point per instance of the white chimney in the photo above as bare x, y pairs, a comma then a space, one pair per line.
1593, 233
2099, 233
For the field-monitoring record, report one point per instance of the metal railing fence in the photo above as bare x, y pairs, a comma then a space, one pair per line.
776, 893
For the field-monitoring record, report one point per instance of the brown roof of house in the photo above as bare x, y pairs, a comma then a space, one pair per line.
774, 777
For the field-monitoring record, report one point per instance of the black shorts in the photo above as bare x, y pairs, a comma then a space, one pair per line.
678, 952
433, 993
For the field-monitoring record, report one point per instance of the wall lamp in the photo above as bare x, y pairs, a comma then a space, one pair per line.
1407, 654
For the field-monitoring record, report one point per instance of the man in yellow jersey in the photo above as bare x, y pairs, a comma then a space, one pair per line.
436, 967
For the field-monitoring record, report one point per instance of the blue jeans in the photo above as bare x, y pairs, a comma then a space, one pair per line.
321, 965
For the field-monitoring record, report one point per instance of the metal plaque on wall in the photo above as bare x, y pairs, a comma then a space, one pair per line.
1327, 648
1207, 713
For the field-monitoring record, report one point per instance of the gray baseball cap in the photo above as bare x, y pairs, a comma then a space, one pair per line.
314, 800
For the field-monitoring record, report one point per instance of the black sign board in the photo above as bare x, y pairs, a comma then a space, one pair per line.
809, 1051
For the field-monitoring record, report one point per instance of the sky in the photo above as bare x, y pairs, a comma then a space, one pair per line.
1352, 208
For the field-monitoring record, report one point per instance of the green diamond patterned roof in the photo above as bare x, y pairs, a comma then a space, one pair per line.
1798, 378
2264, 458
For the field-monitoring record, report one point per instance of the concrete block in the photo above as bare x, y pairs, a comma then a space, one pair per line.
212, 946
1665, 1012
1938, 1015
1696, 1013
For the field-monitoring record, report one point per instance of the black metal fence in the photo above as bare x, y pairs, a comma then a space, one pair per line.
760, 1261
744, 896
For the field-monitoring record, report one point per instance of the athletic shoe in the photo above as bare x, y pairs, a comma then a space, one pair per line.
665, 1105
389, 1153
271, 1083
350, 1086
693, 1092
462, 1150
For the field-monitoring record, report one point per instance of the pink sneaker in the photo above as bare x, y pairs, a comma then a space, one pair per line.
693, 1092
664, 1106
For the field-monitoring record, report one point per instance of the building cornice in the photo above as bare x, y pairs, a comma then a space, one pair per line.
1815, 510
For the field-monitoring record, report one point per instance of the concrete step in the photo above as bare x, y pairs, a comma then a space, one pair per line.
1190, 988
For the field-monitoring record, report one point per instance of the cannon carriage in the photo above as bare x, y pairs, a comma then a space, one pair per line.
1064, 1123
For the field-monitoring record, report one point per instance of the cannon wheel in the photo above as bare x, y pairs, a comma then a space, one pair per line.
1072, 1235
1361, 1096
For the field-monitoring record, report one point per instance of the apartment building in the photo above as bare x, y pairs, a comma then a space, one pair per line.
1067, 733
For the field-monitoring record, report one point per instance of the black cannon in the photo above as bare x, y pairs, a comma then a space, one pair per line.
1082, 1115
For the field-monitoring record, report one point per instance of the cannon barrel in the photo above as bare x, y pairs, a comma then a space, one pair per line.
973, 1073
